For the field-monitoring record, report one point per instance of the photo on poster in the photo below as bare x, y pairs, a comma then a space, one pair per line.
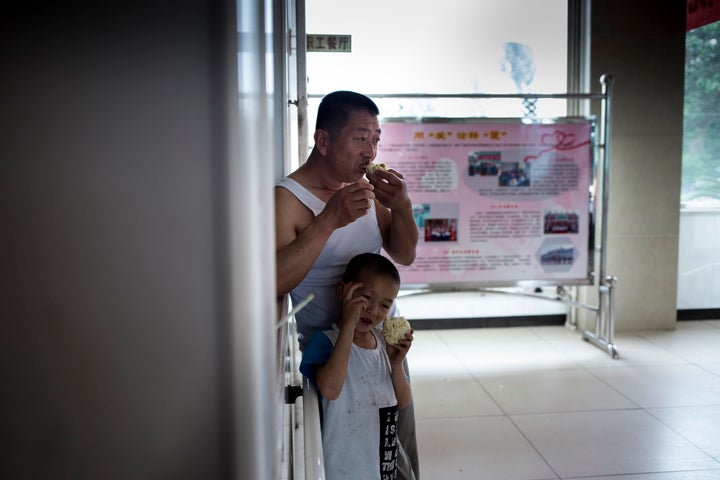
421, 211
441, 230
484, 163
439, 221
514, 174
556, 254
561, 222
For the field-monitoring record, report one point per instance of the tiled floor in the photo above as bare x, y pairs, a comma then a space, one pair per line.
539, 403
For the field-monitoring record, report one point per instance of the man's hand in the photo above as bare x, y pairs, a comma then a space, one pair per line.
395, 215
348, 204
390, 189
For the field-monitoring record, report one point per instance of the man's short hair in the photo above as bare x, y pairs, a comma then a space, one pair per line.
334, 111
372, 263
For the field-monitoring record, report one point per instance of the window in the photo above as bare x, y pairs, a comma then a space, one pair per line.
701, 138
449, 47
699, 249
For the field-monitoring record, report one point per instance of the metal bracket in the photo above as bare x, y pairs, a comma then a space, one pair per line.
292, 392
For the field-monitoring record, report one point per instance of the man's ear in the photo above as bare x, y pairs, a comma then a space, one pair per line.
340, 290
322, 138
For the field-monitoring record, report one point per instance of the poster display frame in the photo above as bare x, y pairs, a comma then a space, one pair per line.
477, 171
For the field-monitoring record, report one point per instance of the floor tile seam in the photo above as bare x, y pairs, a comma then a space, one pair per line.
515, 426
547, 339
579, 412
694, 406
661, 347
421, 418
475, 379
480, 375
534, 447
644, 366
505, 412
663, 366
555, 345
573, 412
479, 384
444, 341
644, 410
482, 387
711, 372
591, 410
717, 459
612, 387
622, 476
504, 331
684, 405
464, 366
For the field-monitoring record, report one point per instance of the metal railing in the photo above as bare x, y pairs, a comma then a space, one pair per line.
305, 436
312, 436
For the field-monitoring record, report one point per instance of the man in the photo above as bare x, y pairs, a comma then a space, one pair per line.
326, 213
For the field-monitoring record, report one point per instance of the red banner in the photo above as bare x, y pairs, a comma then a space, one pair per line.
702, 12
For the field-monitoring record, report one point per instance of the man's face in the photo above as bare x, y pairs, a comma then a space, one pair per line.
356, 145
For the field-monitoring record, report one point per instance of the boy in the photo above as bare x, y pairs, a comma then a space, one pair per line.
360, 378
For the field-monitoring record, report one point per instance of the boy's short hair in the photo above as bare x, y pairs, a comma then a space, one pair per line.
335, 108
370, 262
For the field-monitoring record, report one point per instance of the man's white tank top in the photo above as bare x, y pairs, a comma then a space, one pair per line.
361, 236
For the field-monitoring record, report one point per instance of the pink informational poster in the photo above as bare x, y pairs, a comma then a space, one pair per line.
497, 202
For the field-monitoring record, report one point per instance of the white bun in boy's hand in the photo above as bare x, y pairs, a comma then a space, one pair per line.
375, 167
395, 328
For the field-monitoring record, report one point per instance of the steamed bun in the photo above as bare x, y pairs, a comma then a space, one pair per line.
394, 329
375, 167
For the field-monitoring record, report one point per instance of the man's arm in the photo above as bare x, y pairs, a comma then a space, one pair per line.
300, 236
395, 216
296, 252
400, 233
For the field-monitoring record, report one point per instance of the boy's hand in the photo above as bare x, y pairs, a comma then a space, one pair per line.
352, 307
397, 352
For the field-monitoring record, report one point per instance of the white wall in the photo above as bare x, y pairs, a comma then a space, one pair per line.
699, 260
125, 249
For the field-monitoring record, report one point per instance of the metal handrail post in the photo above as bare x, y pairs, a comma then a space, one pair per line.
607, 82
605, 319
314, 457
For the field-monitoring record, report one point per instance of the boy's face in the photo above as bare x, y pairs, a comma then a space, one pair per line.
378, 291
